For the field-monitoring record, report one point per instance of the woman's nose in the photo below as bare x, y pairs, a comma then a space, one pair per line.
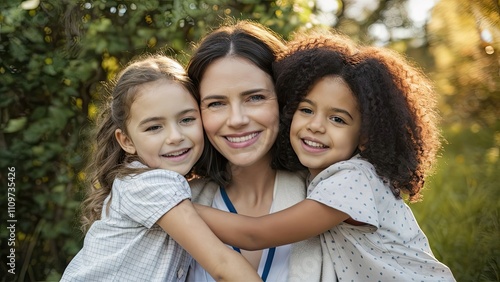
237, 116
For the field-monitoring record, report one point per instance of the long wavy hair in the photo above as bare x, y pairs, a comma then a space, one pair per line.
399, 126
244, 39
108, 160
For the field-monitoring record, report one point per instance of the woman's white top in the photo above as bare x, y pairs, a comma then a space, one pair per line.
273, 263
305, 261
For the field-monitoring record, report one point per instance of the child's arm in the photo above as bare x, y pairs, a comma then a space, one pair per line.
187, 228
305, 219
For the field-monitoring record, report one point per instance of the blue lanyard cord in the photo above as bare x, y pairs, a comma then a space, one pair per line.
269, 261
230, 207
270, 254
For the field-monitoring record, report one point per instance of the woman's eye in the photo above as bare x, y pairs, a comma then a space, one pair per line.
256, 98
214, 104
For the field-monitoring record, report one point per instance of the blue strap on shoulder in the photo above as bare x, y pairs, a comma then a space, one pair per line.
270, 254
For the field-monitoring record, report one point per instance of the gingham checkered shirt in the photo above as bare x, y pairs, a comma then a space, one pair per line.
126, 244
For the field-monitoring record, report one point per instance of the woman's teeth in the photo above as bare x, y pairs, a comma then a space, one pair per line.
241, 139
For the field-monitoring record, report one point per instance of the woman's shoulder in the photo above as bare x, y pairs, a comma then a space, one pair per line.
290, 188
292, 176
203, 190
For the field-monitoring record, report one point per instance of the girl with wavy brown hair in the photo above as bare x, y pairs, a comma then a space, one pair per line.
141, 223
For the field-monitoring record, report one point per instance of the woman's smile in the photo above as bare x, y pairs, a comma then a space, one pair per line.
239, 109
242, 141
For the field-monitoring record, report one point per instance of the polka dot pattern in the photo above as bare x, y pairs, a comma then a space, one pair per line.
390, 246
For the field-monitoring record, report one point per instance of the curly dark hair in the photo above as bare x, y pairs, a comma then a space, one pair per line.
308, 58
399, 125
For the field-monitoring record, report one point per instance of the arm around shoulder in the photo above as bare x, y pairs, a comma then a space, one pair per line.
187, 228
305, 219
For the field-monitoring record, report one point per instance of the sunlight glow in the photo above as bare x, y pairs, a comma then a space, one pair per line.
30, 4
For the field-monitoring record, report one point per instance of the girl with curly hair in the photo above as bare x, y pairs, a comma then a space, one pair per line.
363, 121
138, 203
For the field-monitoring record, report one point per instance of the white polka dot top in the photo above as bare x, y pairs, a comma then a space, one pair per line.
391, 246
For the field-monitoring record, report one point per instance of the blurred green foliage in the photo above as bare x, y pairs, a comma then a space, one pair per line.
54, 56
464, 40
461, 208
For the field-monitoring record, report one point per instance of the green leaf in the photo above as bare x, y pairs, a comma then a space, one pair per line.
5, 101
15, 125
33, 35
40, 199
49, 69
17, 49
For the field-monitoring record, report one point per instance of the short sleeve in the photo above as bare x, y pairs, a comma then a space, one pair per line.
146, 197
346, 187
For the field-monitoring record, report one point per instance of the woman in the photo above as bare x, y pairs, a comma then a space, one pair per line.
232, 68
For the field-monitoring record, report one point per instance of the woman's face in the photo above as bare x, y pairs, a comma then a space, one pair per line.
239, 109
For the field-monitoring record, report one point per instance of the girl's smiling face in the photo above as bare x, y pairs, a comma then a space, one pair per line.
164, 128
326, 125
